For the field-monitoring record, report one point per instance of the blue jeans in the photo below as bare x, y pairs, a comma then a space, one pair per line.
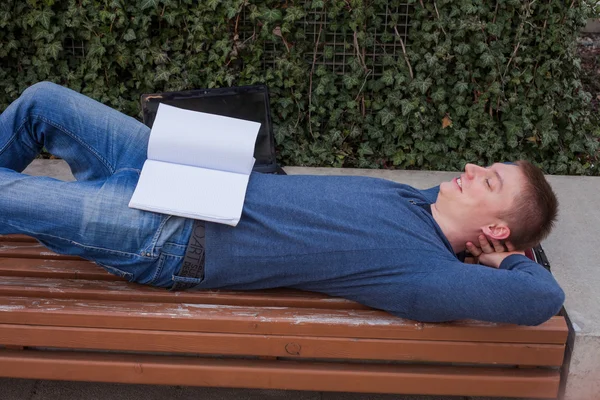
89, 217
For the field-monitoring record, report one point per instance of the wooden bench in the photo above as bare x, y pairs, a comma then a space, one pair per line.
65, 318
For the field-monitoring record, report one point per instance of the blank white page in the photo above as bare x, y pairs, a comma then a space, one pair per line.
190, 192
203, 140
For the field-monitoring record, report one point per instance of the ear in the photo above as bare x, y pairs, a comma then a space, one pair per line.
496, 231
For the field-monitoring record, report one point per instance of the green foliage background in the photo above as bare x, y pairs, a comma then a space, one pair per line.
480, 81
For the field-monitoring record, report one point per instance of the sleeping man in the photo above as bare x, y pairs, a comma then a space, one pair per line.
377, 242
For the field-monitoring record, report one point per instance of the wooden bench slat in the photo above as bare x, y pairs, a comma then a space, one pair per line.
30, 250
83, 269
119, 290
57, 269
264, 320
17, 238
87, 270
281, 346
177, 370
63, 302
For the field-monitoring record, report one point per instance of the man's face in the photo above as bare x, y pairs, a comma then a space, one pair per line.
480, 196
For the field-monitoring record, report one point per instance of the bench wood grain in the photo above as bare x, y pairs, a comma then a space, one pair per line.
63, 310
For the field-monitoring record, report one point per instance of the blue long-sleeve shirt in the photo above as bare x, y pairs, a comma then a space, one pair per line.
373, 241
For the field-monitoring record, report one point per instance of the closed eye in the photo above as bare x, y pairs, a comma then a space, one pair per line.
488, 183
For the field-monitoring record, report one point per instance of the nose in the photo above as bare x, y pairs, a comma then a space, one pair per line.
472, 170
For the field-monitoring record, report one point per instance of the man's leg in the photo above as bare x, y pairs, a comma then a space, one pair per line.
92, 138
89, 217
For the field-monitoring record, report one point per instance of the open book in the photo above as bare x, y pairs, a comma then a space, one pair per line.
198, 165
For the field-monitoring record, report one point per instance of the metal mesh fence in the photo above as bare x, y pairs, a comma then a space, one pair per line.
75, 47
336, 45
333, 45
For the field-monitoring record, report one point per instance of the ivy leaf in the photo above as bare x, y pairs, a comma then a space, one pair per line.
438, 95
96, 50
407, 107
53, 49
460, 110
31, 18
162, 74
365, 149
12, 45
171, 17
487, 59
4, 18
284, 102
395, 98
386, 116
148, 4
45, 16
39, 34
160, 57
129, 35
350, 81
293, 14
317, 4
387, 78
469, 8
272, 15
421, 85
461, 87
89, 77
229, 78
431, 60
398, 158
462, 48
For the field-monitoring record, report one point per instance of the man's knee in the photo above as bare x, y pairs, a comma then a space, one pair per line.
42, 91
43, 87
42, 98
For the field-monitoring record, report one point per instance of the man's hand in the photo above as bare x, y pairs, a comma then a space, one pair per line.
491, 252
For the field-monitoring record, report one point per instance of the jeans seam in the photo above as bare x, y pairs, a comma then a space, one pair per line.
86, 246
158, 270
138, 171
110, 168
128, 275
183, 246
152, 245
14, 138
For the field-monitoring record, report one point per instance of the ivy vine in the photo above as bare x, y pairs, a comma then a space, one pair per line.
354, 83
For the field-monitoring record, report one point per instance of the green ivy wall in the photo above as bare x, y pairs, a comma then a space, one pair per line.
354, 83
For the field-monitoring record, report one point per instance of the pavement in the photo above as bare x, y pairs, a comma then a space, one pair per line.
572, 250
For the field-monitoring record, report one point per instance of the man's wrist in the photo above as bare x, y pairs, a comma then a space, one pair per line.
509, 261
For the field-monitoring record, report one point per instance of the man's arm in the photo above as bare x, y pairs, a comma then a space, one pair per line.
520, 291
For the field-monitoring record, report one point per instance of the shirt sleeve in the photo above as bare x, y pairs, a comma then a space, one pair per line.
519, 292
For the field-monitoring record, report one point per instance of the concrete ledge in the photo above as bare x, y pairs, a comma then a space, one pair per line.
592, 26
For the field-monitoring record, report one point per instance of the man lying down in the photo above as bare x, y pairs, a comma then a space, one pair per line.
380, 243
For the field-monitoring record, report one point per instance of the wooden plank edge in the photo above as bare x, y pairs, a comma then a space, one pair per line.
293, 346
54, 269
288, 375
17, 238
109, 289
262, 320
